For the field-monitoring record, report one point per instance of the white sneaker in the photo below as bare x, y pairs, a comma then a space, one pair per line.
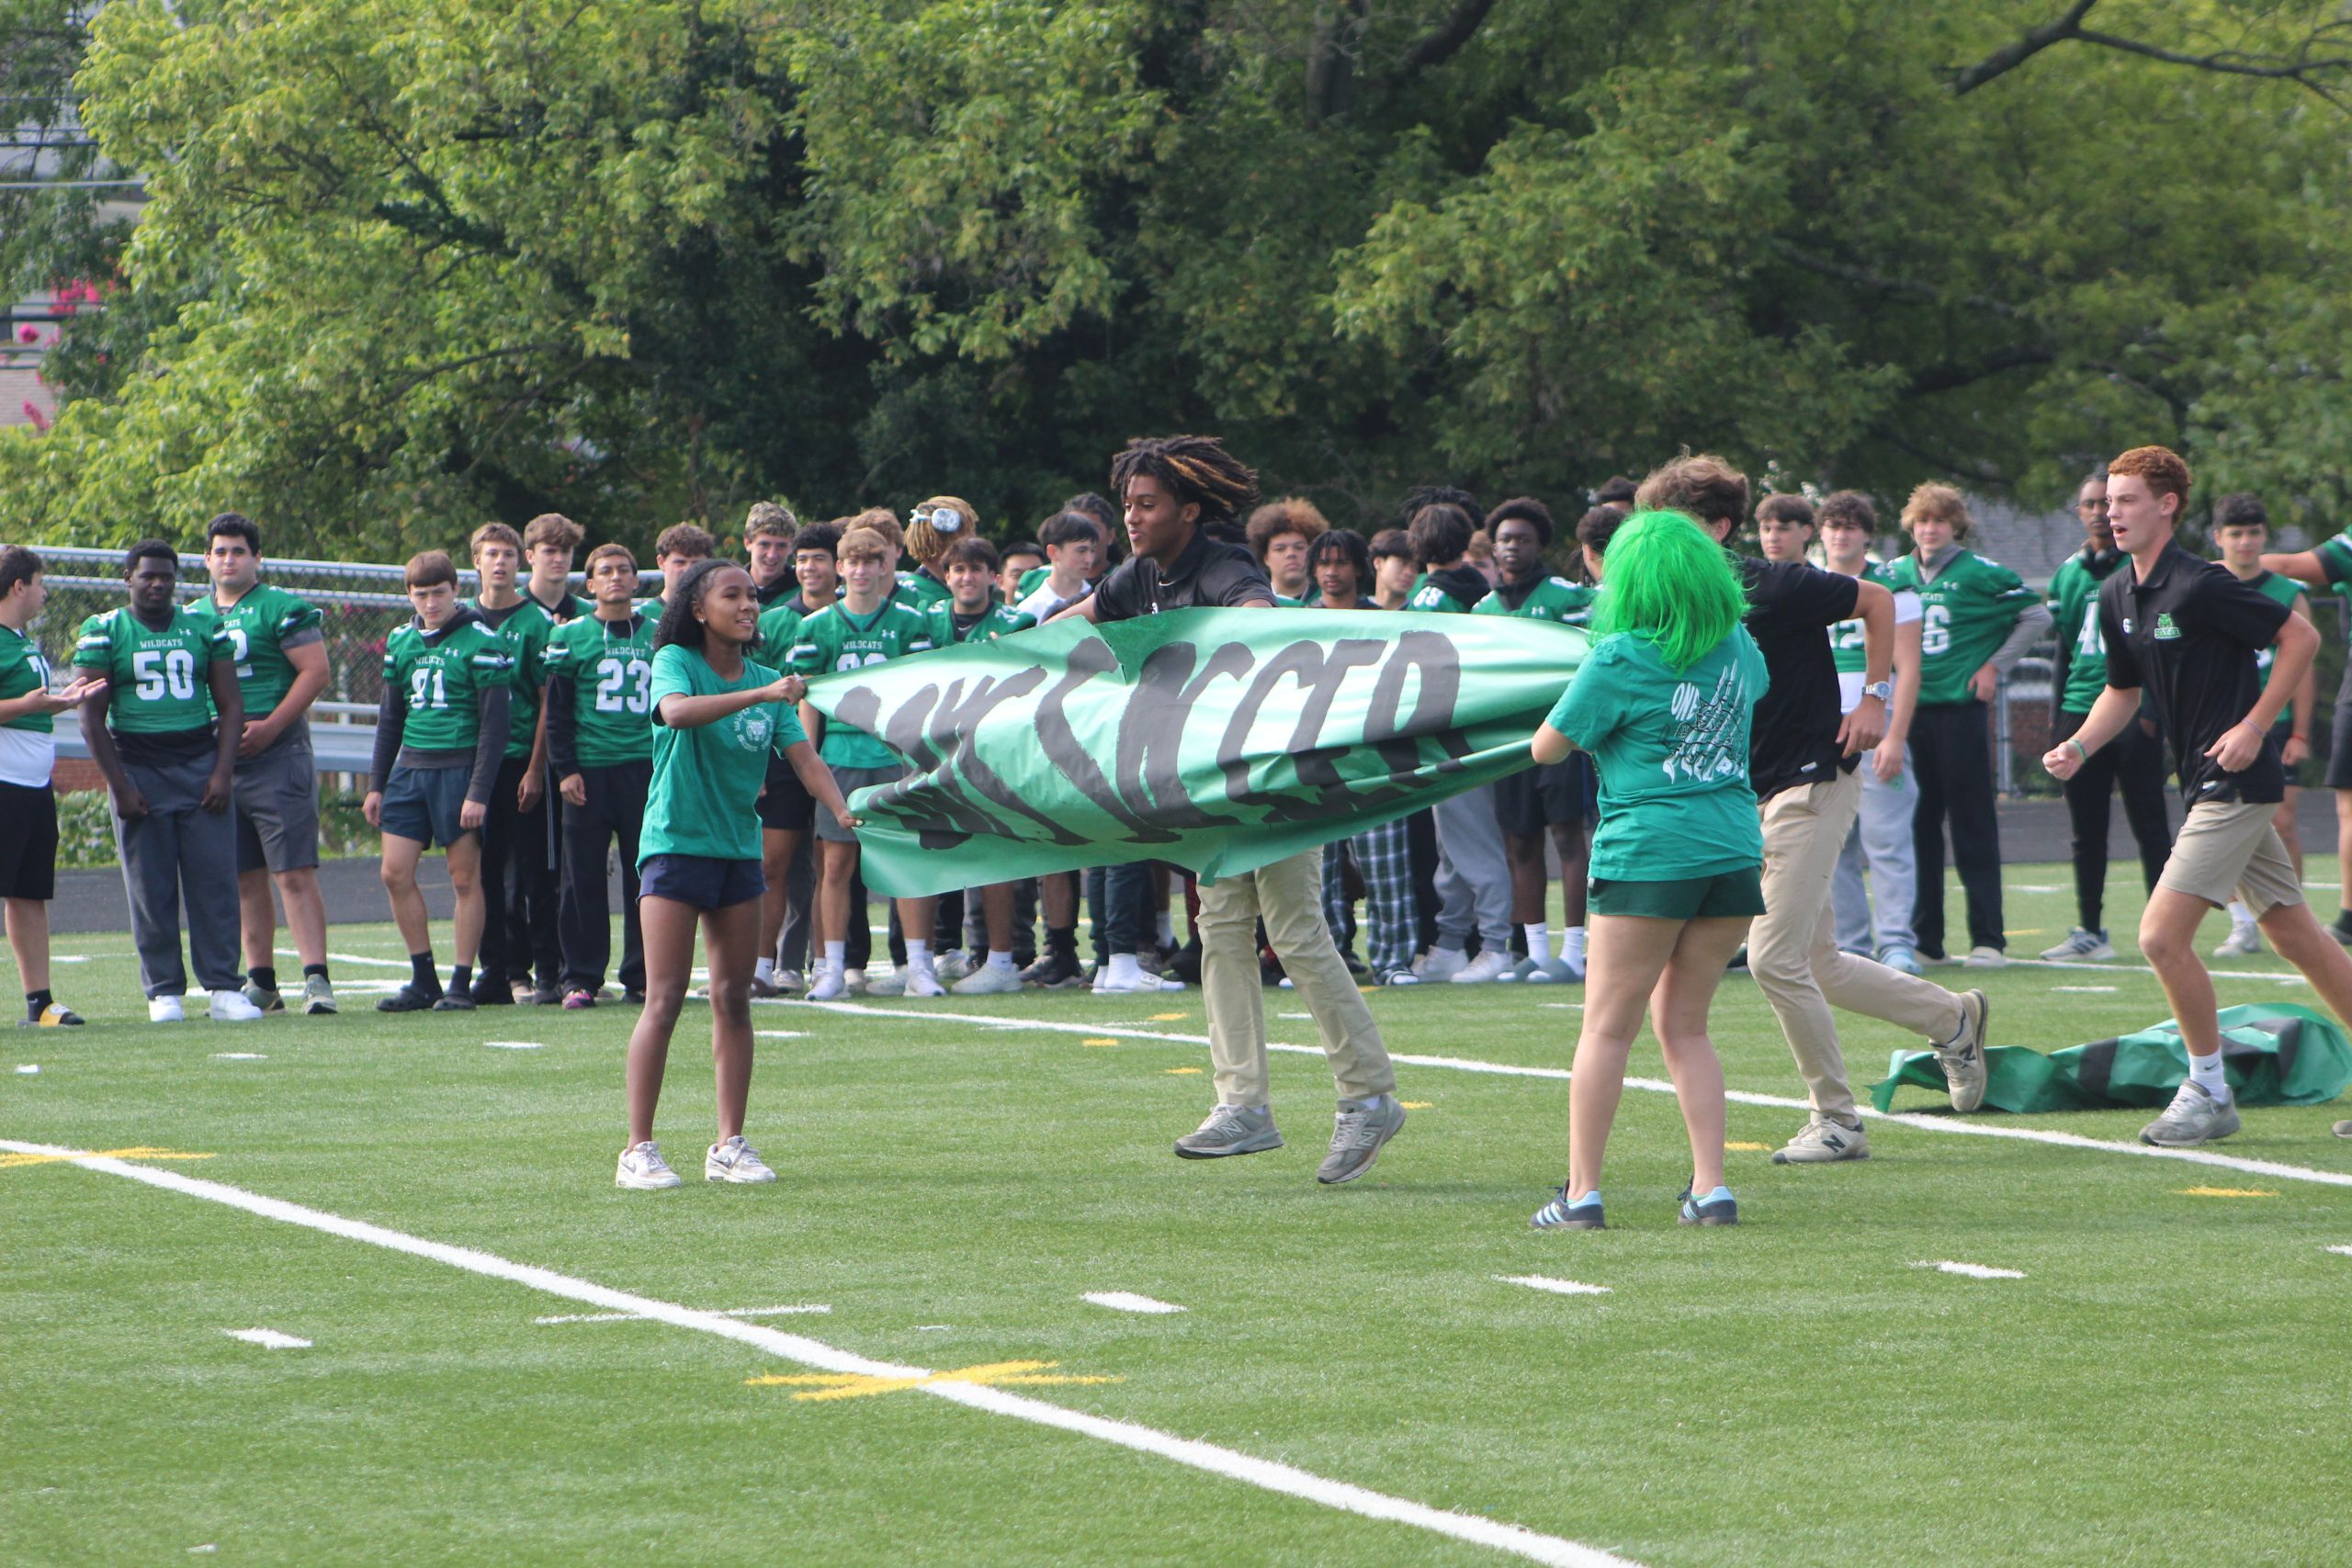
164, 1010
733, 1160
952, 964
231, 1007
642, 1169
1489, 966
1558, 972
1985, 958
888, 983
2244, 942
829, 986
989, 980
788, 980
1442, 963
922, 981
854, 980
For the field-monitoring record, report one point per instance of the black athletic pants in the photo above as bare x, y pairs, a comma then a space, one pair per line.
2135, 761
519, 851
615, 811
1952, 756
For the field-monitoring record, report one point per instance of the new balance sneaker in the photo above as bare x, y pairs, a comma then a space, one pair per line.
1559, 1214
1440, 964
922, 981
1900, 959
888, 983
644, 1169
231, 1007
164, 1009
578, 998
1717, 1208
408, 998
736, 1161
266, 997
53, 1015
831, 987
988, 980
1358, 1132
456, 1001
1396, 977
318, 995
1230, 1129
1985, 957
2244, 942
1055, 971
952, 965
1962, 1056
1823, 1141
2082, 943
2194, 1117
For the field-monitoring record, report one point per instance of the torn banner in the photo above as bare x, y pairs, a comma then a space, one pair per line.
1219, 740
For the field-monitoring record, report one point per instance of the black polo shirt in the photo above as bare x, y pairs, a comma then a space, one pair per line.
1206, 575
1793, 739
2189, 634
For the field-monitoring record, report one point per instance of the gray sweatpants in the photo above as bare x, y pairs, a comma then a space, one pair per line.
1473, 877
800, 898
180, 849
1881, 843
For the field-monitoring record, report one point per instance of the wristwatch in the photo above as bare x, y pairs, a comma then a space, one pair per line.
1882, 690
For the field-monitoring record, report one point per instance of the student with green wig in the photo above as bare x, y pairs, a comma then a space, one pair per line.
1663, 704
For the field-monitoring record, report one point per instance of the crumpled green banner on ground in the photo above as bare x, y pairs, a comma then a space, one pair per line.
1220, 740
2273, 1053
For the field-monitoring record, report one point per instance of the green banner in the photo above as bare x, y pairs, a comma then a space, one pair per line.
1216, 739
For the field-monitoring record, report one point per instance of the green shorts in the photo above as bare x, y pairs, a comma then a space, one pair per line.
1724, 895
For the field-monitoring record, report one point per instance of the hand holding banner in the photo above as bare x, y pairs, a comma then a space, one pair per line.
1220, 740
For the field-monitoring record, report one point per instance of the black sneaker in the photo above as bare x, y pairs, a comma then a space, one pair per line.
1722, 1211
633, 998
1356, 966
408, 998
487, 993
1186, 965
1055, 971
547, 996
456, 1001
2342, 932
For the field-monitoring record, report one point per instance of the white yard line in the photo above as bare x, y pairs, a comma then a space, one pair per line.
2112, 966
1557, 1287
1974, 1270
1128, 1300
267, 1338
2345, 1251
514, 1044
641, 1317
1659, 1085
1267, 1475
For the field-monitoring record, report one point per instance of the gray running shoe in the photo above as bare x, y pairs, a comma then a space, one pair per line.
2194, 1117
1962, 1056
2081, 944
2343, 1129
1230, 1129
1357, 1134
1822, 1141
318, 996
263, 998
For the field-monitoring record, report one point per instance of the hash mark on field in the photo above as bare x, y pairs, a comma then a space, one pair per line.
1750, 1148
1974, 1270
65, 1156
1099, 1040
2344, 1251
514, 1044
641, 1318
1569, 1007
240, 1055
1128, 1300
1167, 1017
2086, 990
861, 1385
1418, 1104
1557, 1287
28, 1069
2034, 887
267, 1338
2225, 1192
781, 1033
1181, 1072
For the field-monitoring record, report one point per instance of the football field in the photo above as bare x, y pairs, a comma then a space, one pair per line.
361, 1291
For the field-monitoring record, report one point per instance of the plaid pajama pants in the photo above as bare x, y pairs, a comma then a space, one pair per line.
1392, 918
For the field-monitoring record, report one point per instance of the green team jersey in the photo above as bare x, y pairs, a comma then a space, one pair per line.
1846, 636
1428, 595
2286, 590
443, 675
779, 629
920, 589
24, 668
832, 640
1030, 579
1553, 599
706, 780
1965, 614
260, 627
2074, 606
526, 626
610, 666
161, 678
995, 621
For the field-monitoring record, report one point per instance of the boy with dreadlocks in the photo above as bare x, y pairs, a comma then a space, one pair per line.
1175, 487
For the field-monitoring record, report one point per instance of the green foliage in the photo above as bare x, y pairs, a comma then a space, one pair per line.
409, 262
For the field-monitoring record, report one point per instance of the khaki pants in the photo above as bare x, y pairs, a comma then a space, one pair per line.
1793, 950
1288, 895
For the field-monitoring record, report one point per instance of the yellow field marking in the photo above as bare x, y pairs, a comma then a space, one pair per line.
2225, 1192
1099, 1040
1167, 1017
1181, 1072
857, 1386
1750, 1148
8, 1160
1416, 1104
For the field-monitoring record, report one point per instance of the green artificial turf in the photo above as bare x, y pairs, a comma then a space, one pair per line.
2164, 1385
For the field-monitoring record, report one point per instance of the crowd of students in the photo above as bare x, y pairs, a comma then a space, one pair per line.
1759, 753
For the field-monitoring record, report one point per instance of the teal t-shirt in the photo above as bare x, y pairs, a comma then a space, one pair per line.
1672, 750
706, 780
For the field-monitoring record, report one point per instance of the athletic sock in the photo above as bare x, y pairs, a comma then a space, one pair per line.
421, 975
461, 978
2240, 916
34, 1003
1124, 967
314, 971
918, 954
764, 971
1572, 946
264, 976
1167, 929
1539, 944
837, 954
1721, 1195
999, 958
2206, 1073
1588, 1201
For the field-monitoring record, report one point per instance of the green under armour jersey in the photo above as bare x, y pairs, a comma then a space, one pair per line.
1553, 599
1846, 637
260, 627
443, 674
610, 666
833, 641
2074, 606
920, 589
160, 676
526, 626
2286, 590
1965, 614
995, 621
24, 669
1428, 595
779, 629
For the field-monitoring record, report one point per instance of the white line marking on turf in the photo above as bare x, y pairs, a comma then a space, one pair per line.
2085, 990
2346, 1251
28, 1069
2113, 968
1267, 1475
1557, 1287
1128, 1300
514, 1044
1659, 1085
240, 1055
372, 962
267, 1338
1974, 1270
641, 1318
781, 1033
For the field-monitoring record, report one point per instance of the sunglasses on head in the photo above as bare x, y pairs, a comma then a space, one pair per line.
943, 519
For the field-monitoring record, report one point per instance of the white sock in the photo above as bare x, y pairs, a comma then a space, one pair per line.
1124, 968
1539, 943
836, 956
1167, 928
764, 970
2240, 916
918, 954
1000, 959
2206, 1073
1572, 944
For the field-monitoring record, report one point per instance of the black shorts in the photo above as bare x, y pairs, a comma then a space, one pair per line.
785, 804
2339, 756
28, 848
701, 881
1534, 798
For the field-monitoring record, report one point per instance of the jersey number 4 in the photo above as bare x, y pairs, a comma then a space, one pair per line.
173, 671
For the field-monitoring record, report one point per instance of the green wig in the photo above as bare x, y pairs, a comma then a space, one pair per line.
1671, 585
